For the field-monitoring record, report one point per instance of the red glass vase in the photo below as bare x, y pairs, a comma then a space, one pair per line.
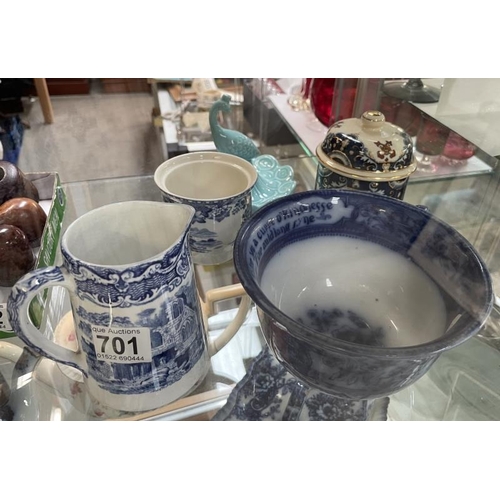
321, 98
332, 99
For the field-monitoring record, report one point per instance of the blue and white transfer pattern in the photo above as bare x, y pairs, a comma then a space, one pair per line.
269, 392
350, 151
176, 345
213, 224
326, 178
366, 154
138, 284
108, 298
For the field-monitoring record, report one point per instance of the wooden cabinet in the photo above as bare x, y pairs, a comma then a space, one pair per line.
116, 85
68, 86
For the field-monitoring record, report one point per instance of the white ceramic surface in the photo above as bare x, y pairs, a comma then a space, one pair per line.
387, 294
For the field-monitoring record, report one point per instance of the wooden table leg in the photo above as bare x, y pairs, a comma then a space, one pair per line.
43, 95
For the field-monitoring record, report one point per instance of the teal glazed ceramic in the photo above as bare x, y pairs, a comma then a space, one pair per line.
230, 141
274, 180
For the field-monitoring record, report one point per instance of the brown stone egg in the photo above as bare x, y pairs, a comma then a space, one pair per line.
27, 215
14, 184
16, 255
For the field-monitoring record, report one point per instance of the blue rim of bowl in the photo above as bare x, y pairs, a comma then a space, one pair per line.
436, 346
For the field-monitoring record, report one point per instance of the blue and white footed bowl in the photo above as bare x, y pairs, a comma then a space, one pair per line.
269, 392
274, 181
344, 366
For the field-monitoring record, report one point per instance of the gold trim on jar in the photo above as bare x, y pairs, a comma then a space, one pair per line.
364, 175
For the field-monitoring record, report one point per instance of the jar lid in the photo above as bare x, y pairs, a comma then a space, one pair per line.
368, 148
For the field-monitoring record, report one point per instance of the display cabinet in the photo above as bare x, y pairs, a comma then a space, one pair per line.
462, 385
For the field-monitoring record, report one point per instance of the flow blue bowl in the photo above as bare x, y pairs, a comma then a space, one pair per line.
346, 369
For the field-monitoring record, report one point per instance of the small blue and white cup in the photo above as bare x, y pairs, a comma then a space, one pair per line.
218, 186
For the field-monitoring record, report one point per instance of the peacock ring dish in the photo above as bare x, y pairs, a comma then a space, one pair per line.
274, 180
366, 154
375, 289
269, 392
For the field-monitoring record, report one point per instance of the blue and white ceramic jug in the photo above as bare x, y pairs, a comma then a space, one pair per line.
138, 318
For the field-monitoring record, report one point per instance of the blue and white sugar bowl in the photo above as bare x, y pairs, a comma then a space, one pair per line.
366, 154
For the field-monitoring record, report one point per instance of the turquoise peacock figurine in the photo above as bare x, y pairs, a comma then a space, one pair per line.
230, 141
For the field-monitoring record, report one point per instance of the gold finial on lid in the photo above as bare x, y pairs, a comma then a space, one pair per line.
372, 118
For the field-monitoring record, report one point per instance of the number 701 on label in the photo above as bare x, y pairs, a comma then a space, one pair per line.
122, 345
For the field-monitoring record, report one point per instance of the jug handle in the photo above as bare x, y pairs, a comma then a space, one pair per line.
18, 303
10, 352
207, 306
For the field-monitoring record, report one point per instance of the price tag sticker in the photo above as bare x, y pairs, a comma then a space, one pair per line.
122, 344
4, 319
